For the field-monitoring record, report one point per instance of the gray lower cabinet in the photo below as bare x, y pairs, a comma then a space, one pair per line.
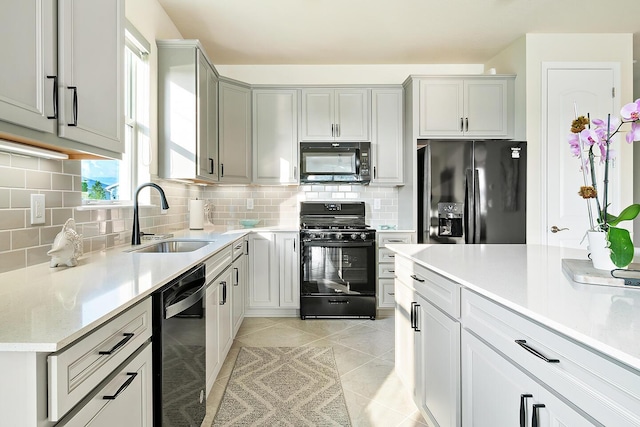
66, 94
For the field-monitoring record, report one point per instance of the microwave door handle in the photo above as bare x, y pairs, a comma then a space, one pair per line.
357, 161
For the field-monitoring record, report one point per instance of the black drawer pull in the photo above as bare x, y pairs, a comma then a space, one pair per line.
523, 344
224, 292
391, 271
127, 337
338, 301
523, 409
395, 241
132, 376
534, 418
414, 277
391, 293
415, 317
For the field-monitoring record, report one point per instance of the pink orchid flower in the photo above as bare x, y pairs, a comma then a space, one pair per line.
574, 142
589, 137
631, 111
634, 133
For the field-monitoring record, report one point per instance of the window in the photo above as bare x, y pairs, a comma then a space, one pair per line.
113, 181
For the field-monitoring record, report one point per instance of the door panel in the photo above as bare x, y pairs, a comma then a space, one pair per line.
585, 91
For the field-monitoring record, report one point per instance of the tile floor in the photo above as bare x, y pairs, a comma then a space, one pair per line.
364, 352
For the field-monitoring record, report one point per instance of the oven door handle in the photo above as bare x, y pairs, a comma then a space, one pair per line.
182, 305
352, 244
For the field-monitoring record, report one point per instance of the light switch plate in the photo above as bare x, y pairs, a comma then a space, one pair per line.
249, 203
37, 208
376, 204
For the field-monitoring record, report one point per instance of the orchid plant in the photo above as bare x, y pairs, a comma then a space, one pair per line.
590, 139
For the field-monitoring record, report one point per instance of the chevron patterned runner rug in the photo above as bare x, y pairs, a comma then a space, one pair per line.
283, 386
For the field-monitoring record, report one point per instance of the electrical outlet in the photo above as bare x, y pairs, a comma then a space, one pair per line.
249, 204
376, 204
37, 208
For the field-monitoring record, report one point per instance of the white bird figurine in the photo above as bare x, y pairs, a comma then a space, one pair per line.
67, 246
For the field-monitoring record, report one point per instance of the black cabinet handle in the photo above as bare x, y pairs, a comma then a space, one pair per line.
210, 165
414, 277
221, 170
523, 409
415, 317
466, 122
237, 276
461, 124
412, 313
374, 172
332, 130
75, 106
534, 417
132, 376
391, 271
127, 337
224, 292
523, 344
55, 97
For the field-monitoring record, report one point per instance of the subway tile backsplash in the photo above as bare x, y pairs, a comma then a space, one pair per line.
23, 244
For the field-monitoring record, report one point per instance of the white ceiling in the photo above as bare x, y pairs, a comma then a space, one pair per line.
387, 31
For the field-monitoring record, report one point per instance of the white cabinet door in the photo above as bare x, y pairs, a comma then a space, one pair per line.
386, 136
225, 321
439, 383
486, 108
352, 113
275, 136
496, 393
264, 289
335, 114
406, 338
235, 133
90, 66
27, 95
441, 111
589, 91
207, 120
239, 284
289, 268
212, 307
130, 403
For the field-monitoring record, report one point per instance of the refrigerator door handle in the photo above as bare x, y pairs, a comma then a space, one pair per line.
477, 225
469, 215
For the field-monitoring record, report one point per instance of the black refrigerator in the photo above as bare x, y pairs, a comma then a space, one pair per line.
472, 191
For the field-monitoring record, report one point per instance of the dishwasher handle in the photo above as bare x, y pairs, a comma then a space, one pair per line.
182, 305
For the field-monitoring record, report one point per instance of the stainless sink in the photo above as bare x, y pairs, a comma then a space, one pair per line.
173, 246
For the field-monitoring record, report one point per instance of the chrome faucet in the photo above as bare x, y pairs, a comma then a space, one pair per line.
135, 233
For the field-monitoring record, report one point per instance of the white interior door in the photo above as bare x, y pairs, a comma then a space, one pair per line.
589, 90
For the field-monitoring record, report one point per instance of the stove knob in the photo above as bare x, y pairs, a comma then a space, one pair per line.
322, 235
363, 236
354, 236
338, 236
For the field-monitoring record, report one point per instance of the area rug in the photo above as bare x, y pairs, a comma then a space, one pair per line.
283, 386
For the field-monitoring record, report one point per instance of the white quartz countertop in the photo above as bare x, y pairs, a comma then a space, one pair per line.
529, 279
43, 309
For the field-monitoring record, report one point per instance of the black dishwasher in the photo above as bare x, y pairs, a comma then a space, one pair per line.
179, 378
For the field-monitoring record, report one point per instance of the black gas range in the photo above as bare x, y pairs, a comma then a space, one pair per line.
337, 263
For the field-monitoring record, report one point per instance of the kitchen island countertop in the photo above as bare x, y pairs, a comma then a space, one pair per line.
529, 280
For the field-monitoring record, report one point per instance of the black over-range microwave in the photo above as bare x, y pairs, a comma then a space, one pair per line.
335, 162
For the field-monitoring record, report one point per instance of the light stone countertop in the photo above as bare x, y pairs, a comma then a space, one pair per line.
529, 280
43, 309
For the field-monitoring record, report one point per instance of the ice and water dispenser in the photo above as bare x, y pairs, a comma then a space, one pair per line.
450, 218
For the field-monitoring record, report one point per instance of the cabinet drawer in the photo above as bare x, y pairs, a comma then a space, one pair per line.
438, 290
386, 255
386, 270
217, 263
389, 239
238, 248
131, 405
607, 390
387, 293
77, 369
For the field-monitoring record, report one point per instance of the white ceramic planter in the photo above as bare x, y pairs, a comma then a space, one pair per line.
599, 252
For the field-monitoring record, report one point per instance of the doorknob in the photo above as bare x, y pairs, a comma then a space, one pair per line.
555, 229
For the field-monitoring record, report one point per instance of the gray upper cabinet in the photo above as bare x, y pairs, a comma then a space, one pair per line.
187, 112
65, 74
28, 31
90, 66
387, 136
335, 114
234, 123
275, 136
